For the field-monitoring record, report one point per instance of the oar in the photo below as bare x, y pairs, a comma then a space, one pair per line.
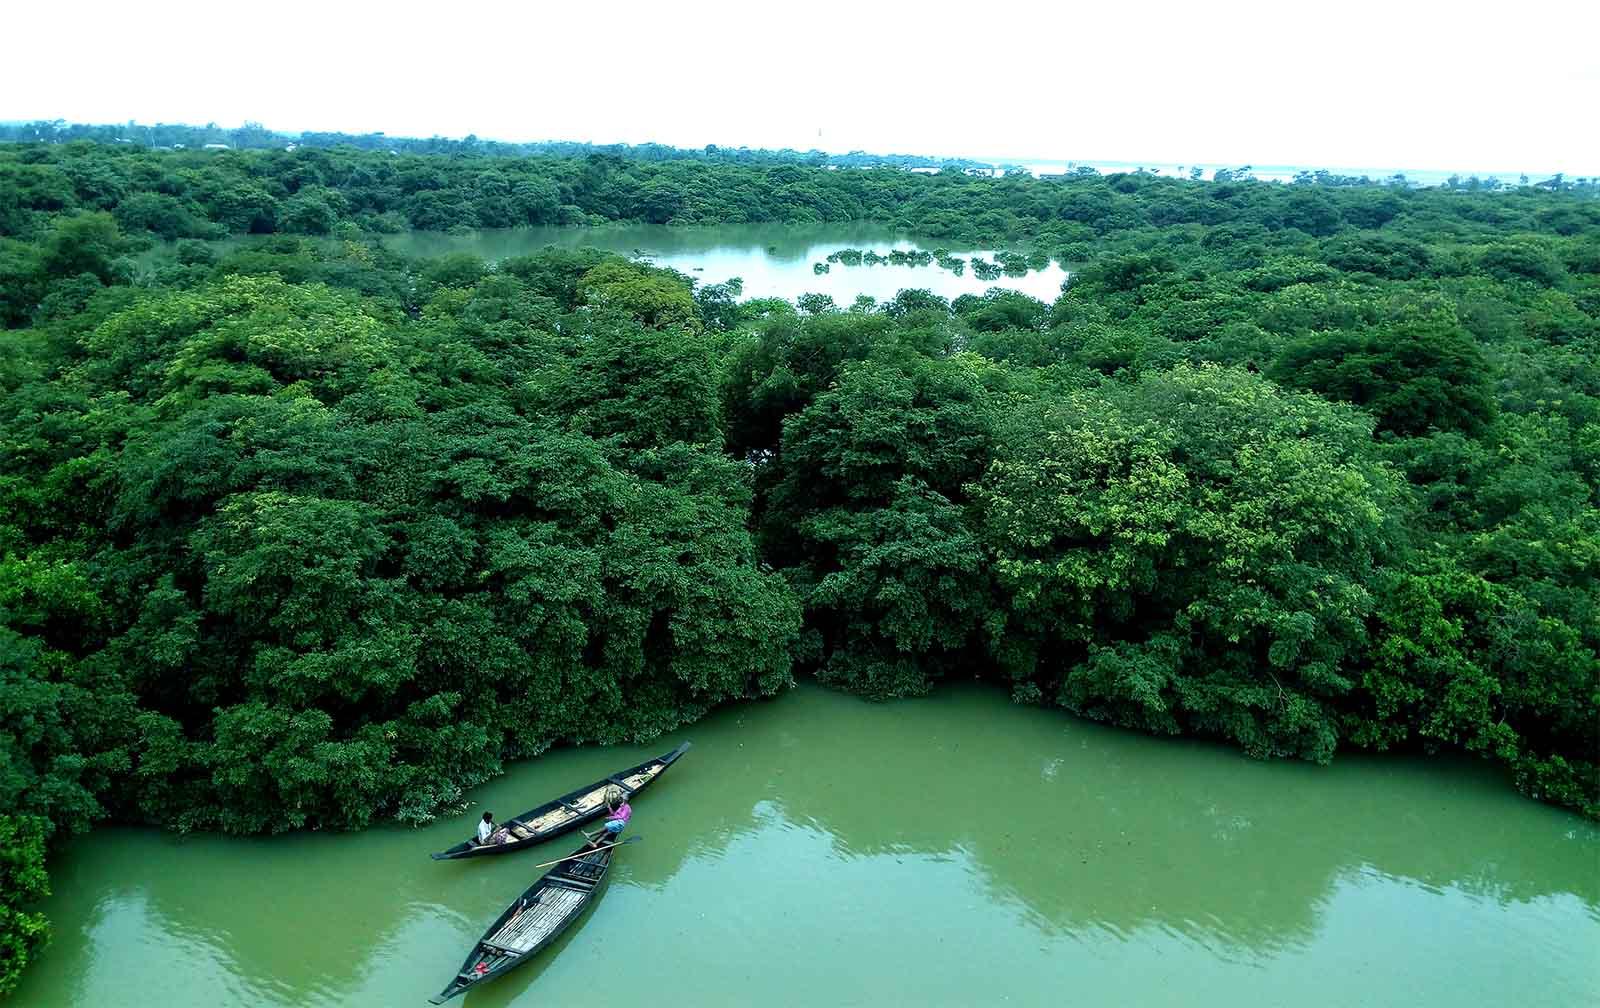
591, 850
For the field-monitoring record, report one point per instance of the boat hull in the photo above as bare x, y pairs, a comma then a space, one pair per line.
567, 813
534, 920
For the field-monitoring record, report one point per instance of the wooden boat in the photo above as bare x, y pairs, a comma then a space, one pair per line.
534, 920
566, 813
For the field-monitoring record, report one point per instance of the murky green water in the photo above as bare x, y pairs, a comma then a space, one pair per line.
957, 850
773, 260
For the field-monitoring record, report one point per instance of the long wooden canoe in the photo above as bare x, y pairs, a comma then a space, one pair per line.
567, 813
537, 917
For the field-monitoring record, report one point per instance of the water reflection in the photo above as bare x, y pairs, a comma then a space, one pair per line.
773, 260
936, 850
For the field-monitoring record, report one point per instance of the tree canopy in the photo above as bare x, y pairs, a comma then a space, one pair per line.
297, 532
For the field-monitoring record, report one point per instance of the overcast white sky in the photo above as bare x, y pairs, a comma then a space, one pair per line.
1396, 84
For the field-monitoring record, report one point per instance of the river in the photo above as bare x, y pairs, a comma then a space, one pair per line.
773, 260
953, 850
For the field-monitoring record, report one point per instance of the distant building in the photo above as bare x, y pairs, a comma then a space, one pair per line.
215, 147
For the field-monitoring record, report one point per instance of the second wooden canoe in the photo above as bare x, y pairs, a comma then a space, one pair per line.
536, 919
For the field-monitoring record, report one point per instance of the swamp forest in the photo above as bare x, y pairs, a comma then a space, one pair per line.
300, 531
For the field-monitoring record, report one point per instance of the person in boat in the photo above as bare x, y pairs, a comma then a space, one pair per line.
489, 833
619, 812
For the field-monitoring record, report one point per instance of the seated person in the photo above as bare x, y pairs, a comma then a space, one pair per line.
616, 820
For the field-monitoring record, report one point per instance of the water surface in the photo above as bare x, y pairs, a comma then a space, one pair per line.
773, 260
955, 850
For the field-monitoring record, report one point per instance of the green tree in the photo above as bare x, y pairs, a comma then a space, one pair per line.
1414, 375
22, 883
85, 243
655, 297
1195, 551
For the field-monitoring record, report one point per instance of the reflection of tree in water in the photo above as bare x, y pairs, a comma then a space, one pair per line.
1082, 828
307, 918
1094, 828
784, 243
297, 917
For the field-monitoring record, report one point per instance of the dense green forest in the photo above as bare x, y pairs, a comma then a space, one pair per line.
302, 534
254, 136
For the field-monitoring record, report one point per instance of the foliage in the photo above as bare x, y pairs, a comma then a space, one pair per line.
1196, 550
868, 517
22, 882
1416, 375
298, 533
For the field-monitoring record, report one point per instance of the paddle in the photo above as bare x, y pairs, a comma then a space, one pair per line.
591, 850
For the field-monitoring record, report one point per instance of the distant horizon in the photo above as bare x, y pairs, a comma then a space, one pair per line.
996, 161
1428, 83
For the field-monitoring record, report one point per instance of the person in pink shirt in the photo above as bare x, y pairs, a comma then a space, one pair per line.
617, 818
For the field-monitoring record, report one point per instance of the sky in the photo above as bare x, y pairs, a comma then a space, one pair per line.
1401, 84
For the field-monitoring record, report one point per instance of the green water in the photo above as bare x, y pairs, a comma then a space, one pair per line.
773, 260
956, 850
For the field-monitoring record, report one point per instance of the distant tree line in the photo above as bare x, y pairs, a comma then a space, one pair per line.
192, 193
254, 136
305, 534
